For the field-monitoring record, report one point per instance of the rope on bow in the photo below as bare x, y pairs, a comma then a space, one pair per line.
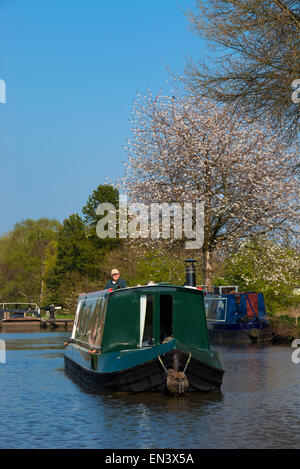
177, 381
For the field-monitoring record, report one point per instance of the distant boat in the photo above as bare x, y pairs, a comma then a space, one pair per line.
236, 317
144, 338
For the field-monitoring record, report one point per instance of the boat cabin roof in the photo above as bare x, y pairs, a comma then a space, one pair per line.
95, 294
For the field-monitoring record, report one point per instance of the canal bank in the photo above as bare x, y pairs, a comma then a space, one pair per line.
284, 329
29, 316
29, 323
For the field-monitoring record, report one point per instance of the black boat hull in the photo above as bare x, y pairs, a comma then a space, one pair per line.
149, 376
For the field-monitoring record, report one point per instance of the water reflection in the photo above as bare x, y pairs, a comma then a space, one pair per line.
257, 408
164, 401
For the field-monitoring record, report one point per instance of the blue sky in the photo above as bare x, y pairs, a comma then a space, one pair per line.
72, 70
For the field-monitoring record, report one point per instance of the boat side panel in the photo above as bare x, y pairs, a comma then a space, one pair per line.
115, 361
122, 324
189, 321
210, 357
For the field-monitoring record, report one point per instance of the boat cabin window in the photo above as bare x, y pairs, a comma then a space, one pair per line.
79, 321
215, 308
91, 333
90, 322
146, 320
84, 322
166, 316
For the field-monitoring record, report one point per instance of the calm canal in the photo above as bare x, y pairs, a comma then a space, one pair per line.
41, 407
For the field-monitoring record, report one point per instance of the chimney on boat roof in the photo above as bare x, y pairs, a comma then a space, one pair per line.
190, 273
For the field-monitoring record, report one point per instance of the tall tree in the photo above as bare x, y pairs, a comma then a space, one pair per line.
74, 252
24, 259
259, 56
103, 194
185, 149
78, 262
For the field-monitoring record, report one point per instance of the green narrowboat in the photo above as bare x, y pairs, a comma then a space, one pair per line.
143, 338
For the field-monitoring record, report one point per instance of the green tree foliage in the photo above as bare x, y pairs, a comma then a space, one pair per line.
73, 251
76, 257
139, 265
24, 255
72, 284
157, 268
103, 194
80, 262
267, 267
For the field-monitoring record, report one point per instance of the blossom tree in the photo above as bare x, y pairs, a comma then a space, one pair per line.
266, 266
189, 149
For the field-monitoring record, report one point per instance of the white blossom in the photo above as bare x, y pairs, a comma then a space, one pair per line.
186, 149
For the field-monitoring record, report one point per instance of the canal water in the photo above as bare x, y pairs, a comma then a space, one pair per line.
42, 407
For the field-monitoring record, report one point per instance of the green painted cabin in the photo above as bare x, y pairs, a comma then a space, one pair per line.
140, 317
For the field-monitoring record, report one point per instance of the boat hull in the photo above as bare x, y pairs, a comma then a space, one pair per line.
148, 376
239, 332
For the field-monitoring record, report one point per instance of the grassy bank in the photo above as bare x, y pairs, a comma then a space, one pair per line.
286, 328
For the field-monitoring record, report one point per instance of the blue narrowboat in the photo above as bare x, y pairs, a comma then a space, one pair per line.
233, 316
143, 338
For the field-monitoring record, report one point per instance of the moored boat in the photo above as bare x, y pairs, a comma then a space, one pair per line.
143, 338
237, 317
